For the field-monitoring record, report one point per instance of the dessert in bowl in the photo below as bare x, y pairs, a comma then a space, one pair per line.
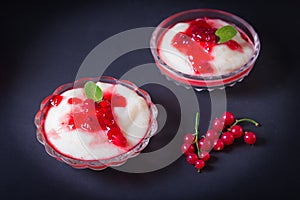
89, 134
205, 48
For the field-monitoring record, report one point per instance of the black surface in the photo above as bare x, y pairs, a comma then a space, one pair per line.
42, 46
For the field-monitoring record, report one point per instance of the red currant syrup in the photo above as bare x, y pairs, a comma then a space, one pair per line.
74, 100
93, 117
197, 42
55, 100
233, 45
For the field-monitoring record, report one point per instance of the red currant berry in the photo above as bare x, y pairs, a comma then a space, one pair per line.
250, 138
191, 149
227, 138
219, 145
205, 145
228, 118
237, 131
211, 135
191, 158
199, 164
200, 142
184, 148
188, 138
218, 125
187, 148
205, 156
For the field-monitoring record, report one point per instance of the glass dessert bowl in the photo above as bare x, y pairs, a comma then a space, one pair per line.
86, 134
193, 49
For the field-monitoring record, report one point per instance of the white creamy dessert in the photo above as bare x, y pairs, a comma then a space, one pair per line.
132, 117
223, 58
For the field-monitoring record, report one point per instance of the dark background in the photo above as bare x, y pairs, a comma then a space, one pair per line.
42, 47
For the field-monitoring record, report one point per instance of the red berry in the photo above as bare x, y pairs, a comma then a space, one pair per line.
184, 148
205, 156
250, 138
218, 125
200, 142
219, 145
199, 164
191, 149
227, 138
191, 158
228, 118
237, 131
187, 148
188, 138
204, 144
211, 135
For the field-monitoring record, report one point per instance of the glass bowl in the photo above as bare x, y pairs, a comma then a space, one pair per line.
199, 82
97, 164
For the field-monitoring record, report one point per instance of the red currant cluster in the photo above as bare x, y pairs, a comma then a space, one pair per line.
224, 131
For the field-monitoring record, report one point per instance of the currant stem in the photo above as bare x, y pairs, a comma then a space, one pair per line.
197, 133
245, 120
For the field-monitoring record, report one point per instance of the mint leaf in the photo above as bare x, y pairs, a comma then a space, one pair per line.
225, 33
93, 91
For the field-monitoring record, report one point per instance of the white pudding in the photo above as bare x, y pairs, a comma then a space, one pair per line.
224, 57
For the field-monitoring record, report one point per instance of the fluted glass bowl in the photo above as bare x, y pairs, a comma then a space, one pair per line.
100, 163
199, 82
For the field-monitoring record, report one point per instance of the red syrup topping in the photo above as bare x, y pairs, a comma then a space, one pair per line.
201, 32
94, 117
197, 42
245, 37
233, 45
55, 100
74, 100
196, 56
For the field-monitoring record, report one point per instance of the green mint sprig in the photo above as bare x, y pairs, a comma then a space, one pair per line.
93, 91
225, 33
